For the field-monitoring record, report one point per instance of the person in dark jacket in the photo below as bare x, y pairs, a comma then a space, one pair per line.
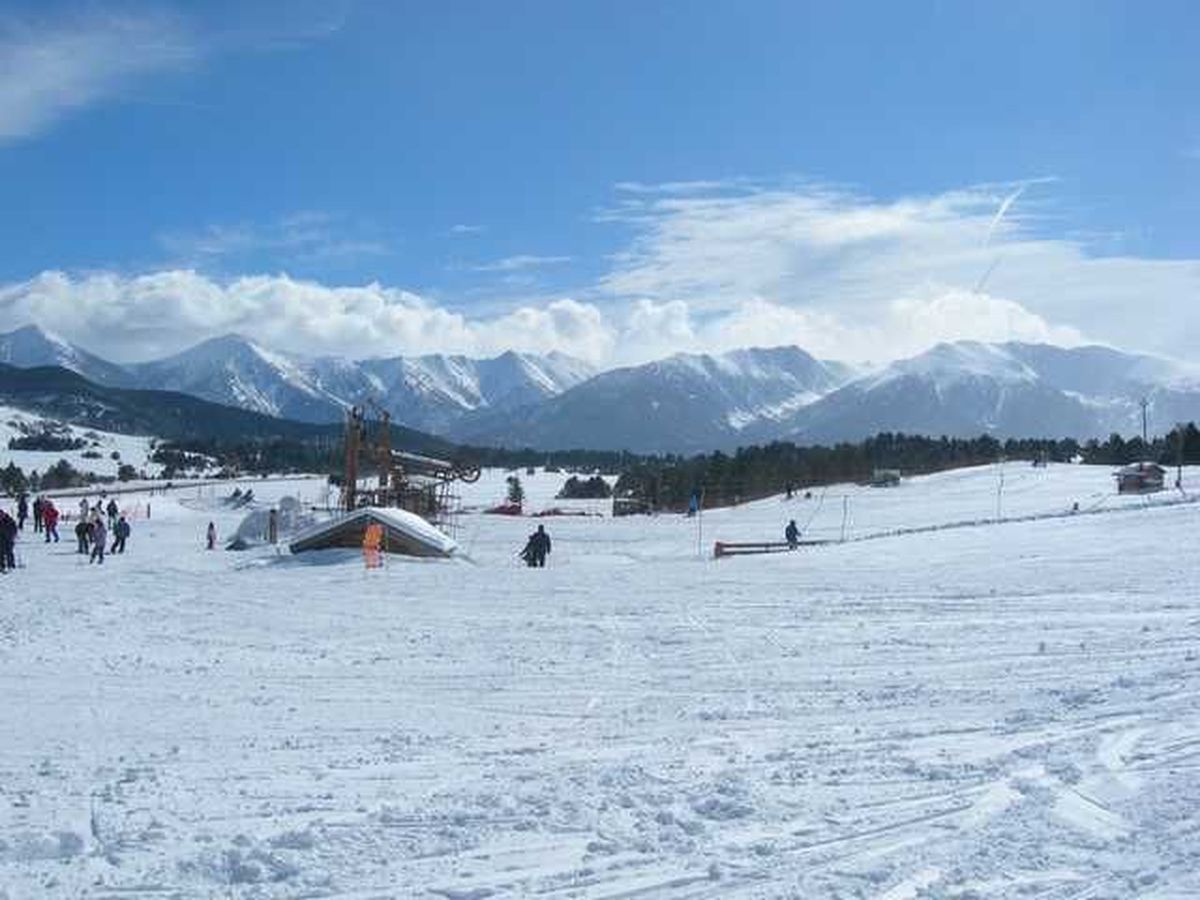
83, 536
22, 511
8, 537
791, 534
537, 548
120, 535
113, 511
38, 507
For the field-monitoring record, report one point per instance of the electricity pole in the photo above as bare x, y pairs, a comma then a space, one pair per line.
1179, 430
999, 491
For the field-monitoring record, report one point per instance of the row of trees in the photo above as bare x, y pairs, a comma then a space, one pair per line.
752, 472
667, 482
60, 476
46, 442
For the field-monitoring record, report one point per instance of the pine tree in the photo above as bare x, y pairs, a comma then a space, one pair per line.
516, 493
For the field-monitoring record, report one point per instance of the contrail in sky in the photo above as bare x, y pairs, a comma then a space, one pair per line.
1005, 205
1004, 208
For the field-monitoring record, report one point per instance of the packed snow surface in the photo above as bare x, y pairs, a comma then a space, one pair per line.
996, 710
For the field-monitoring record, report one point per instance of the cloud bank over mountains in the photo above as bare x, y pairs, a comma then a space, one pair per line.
705, 267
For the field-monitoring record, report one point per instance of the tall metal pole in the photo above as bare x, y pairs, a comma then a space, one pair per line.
1179, 431
350, 484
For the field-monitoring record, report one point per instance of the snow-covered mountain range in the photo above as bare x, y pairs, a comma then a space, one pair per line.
685, 403
1009, 390
428, 392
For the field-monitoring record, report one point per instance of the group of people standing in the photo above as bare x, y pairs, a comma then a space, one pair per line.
97, 522
95, 525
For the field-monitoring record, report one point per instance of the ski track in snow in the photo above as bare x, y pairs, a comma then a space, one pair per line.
998, 711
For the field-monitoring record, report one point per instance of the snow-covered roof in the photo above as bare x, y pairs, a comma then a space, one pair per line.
416, 531
1142, 468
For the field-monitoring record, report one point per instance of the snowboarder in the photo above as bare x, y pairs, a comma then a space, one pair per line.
8, 536
38, 507
120, 535
22, 511
792, 535
50, 519
537, 548
210, 536
99, 540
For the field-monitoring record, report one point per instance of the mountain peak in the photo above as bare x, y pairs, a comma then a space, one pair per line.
31, 345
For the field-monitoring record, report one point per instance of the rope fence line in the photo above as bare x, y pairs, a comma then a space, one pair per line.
729, 548
1030, 517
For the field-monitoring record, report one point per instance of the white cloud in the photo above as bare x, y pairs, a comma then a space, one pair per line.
142, 317
463, 230
520, 263
306, 235
50, 68
857, 277
900, 327
841, 275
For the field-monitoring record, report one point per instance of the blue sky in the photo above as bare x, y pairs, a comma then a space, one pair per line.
617, 180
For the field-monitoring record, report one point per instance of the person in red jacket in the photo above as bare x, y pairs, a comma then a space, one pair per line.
50, 520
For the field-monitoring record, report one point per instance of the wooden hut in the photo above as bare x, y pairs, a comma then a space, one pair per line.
1140, 478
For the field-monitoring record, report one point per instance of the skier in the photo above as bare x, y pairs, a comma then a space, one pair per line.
99, 540
8, 536
50, 519
113, 511
38, 507
792, 535
83, 509
537, 548
120, 535
22, 511
211, 536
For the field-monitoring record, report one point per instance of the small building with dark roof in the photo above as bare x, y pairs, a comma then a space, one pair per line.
1140, 478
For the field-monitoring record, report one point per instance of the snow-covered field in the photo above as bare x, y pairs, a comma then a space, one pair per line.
1007, 710
101, 446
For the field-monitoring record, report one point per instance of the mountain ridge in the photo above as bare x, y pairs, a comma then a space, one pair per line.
684, 403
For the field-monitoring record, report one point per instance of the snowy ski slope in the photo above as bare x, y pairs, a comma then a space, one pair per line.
132, 449
1005, 710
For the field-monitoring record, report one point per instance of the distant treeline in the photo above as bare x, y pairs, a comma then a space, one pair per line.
325, 456
669, 482
664, 482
